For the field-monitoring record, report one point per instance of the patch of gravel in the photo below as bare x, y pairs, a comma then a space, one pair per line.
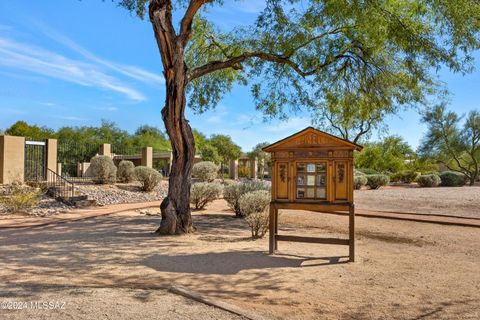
46, 206
122, 193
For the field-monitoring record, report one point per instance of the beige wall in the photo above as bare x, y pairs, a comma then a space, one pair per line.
12, 159
52, 155
105, 149
147, 157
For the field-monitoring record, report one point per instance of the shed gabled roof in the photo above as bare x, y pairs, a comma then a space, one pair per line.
311, 138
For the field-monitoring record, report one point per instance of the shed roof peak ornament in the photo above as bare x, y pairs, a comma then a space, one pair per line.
311, 137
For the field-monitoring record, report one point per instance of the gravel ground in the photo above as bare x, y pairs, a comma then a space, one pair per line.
122, 193
459, 201
103, 303
46, 207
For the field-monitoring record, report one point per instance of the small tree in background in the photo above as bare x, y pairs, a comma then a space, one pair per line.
389, 155
458, 148
226, 149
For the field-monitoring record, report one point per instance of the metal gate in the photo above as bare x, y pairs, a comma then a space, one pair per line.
35, 161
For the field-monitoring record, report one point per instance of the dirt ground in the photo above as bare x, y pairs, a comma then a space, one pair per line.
404, 270
458, 201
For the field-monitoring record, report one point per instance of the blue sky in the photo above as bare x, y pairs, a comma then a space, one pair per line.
70, 62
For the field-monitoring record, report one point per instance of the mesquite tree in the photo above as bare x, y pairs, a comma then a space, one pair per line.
293, 50
458, 148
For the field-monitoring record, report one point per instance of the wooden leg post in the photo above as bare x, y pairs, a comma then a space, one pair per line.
351, 228
272, 230
276, 228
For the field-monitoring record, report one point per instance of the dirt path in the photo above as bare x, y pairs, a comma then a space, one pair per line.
457, 201
404, 270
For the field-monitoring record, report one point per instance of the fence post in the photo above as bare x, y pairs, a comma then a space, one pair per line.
105, 149
147, 157
51, 153
253, 168
233, 170
59, 168
12, 159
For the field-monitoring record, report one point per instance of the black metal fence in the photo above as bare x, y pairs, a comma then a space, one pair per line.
119, 149
35, 161
71, 153
59, 187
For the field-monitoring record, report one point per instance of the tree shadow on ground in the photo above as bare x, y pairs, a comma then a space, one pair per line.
232, 262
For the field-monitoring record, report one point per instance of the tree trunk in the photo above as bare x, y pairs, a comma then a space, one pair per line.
175, 208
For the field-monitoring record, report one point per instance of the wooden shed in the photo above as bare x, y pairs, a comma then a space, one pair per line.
312, 170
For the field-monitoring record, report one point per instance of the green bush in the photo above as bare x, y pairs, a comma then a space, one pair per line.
206, 171
405, 176
359, 181
375, 181
234, 191
254, 206
367, 171
103, 169
452, 179
126, 171
20, 197
148, 177
428, 180
203, 193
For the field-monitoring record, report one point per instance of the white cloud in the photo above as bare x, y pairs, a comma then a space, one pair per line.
107, 108
129, 71
37, 60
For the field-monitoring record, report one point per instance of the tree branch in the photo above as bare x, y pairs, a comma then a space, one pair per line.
160, 13
235, 63
187, 20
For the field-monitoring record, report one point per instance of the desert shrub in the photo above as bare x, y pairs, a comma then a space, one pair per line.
359, 181
452, 179
357, 172
20, 197
375, 181
126, 171
367, 171
205, 171
203, 193
148, 177
254, 206
405, 176
243, 172
234, 191
428, 180
103, 169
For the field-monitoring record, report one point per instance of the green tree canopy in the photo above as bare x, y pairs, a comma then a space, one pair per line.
226, 148
23, 129
456, 146
389, 155
150, 136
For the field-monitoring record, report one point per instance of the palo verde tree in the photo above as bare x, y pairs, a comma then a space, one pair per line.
457, 148
226, 149
292, 47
